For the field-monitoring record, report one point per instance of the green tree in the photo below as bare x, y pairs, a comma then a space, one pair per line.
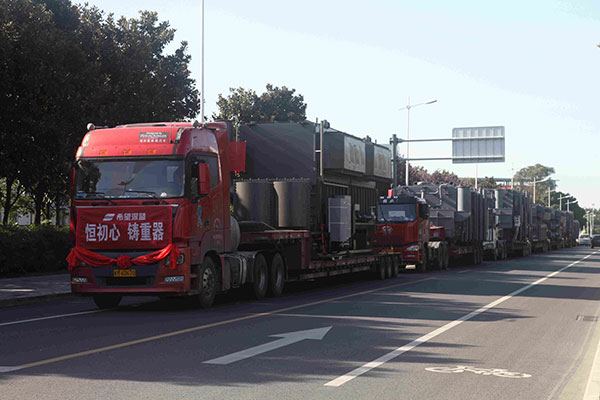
444, 176
276, 104
488, 183
525, 176
62, 66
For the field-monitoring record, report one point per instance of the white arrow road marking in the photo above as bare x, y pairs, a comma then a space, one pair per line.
286, 339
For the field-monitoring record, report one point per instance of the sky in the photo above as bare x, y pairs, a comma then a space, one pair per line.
530, 66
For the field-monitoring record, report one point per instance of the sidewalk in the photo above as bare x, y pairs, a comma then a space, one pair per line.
15, 291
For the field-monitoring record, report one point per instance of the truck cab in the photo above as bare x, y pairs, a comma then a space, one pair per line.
403, 228
150, 208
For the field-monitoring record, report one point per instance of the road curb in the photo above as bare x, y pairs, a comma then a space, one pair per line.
20, 301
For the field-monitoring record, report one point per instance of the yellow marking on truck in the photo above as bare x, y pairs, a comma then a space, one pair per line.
197, 328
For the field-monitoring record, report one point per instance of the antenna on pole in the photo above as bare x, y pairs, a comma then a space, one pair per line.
202, 65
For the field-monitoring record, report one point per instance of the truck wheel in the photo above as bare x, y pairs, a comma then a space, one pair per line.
104, 301
423, 266
440, 258
494, 254
206, 283
381, 269
259, 285
396, 266
389, 267
277, 276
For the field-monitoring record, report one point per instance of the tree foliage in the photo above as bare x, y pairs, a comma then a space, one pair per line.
276, 104
421, 174
526, 176
62, 66
488, 183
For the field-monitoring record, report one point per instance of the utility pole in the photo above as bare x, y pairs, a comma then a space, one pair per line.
407, 108
394, 142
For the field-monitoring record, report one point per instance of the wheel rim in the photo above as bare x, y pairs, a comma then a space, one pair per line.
208, 281
261, 278
278, 277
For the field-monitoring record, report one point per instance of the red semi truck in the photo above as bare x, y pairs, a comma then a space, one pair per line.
404, 231
430, 225
150, 215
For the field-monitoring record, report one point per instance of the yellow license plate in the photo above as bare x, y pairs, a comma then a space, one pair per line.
124, 273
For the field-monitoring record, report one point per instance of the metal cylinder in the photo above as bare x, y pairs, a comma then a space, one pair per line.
293, 203
256, 201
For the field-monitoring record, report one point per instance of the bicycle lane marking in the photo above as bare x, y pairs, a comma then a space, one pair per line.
4, 369
339, 381
501, 372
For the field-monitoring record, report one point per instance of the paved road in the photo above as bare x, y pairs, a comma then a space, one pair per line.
520, 329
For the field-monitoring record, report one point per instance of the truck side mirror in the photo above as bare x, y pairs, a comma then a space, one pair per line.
203, 179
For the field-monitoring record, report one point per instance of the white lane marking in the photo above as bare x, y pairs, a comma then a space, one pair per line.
339, 381
286, 339
23, 321
9, 369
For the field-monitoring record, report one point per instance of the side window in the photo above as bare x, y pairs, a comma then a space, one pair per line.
213, 164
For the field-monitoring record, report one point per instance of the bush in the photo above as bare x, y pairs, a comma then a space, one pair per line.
33, 249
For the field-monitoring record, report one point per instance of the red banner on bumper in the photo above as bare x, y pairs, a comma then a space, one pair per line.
124, 227
79, 254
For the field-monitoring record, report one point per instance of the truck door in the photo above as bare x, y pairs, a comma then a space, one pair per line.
209, 210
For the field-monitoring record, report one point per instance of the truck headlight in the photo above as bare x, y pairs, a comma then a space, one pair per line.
413, 248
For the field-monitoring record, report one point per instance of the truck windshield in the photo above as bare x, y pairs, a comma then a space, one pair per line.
129, 179
397, 213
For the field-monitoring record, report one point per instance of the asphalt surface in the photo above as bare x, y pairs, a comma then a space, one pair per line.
524, 328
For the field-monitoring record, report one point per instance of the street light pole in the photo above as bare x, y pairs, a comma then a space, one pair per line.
560, 199
592, 219
536, 181
407, 108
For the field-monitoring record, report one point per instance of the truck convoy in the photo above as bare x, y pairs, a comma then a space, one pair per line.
183, 209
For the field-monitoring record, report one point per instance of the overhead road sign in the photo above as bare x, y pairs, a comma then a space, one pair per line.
478, 145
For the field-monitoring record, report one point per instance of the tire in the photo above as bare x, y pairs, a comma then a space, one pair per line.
446, 257
276, 276
440, 258
423, 266
395, 266
381, 269
106, 301
495, 254
389, 267
259, 284
207, 283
